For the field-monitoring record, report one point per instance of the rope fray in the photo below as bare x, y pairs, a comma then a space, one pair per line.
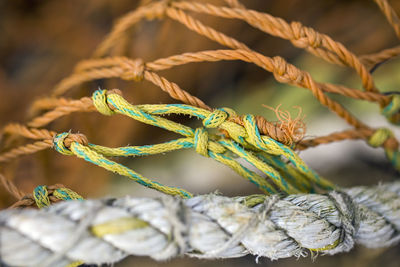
295, 128
163, 228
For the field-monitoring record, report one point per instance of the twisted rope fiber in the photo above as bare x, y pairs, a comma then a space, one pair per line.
328, 223
375, 59
200, 28
221, 38
300, 36
206, 226
137, 70
11, 187
283, 72
336, 53
160, 8
390, 15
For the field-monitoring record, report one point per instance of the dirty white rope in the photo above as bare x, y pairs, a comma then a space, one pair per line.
206, 226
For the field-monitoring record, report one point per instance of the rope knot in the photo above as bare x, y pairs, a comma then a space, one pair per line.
62, 142
45, 195
392, 111
158, 10
100, 101
201, 141
383, 136
305, 37
215, 119
253, 133
275, 131
134, 69
286, 73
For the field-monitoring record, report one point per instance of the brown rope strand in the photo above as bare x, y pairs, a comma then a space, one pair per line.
299, 35
84, 104
25, 150
11, 187
151, 11
370, 60
200, 28
354, 134
390, 15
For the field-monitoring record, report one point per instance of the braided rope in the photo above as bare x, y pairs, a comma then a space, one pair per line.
206, 226
42, 196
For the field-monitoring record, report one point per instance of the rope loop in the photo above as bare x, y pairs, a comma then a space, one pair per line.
304, 36
253, 134
99, 98
215, 119
382, 137
392, 111
201, 141
62, 142
59, 144
41, 196
379, 137
158, 10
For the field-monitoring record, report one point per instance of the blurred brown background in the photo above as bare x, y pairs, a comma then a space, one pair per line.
41, 41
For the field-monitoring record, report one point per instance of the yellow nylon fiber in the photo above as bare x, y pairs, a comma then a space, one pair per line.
262, 152
117, 226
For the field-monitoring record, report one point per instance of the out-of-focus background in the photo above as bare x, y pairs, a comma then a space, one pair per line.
41, 41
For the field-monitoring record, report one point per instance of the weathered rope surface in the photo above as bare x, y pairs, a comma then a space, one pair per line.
206, 226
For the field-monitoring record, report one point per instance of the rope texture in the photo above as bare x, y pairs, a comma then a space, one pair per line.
206, 226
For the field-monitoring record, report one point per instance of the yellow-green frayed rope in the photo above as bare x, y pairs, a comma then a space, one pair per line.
41, 195
263, 152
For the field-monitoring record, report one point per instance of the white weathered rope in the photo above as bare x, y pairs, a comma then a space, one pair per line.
207, 226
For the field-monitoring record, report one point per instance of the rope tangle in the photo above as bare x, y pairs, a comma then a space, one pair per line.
223, 136
246, 143
241, 132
